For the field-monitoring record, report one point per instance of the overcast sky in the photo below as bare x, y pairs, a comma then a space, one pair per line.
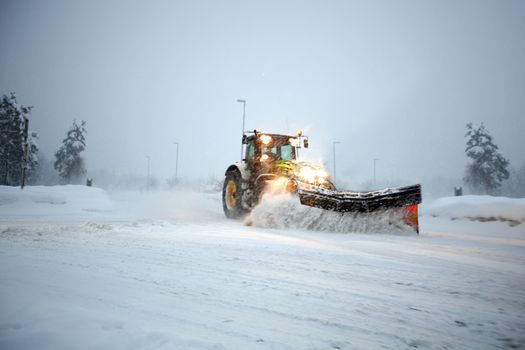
392, 80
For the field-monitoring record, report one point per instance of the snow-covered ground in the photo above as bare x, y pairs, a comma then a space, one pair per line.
81, 269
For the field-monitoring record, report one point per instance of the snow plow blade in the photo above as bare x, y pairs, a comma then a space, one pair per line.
402, 199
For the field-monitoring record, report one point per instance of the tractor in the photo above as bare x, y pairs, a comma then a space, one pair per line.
274, 158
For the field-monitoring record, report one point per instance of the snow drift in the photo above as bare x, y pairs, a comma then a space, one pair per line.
45, 201
479, 208
81, 203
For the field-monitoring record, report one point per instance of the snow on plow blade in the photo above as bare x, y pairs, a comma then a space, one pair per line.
402, 199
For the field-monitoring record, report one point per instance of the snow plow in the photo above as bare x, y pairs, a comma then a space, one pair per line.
271, 159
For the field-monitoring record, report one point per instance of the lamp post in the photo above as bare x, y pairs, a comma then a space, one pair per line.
333, 152
243, 118
147, 178
176, 162
375, 160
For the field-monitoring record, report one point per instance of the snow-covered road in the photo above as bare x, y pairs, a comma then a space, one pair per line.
198, 281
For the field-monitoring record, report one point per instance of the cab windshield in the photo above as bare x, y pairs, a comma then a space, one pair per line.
280, 152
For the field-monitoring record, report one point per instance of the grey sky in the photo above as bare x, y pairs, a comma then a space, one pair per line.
394, 80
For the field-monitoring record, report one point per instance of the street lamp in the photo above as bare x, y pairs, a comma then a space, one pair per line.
333, 151
147, 178
176, 162
243, 118
375, 160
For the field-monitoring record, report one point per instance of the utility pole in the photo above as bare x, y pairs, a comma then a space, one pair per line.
177, 162
375, 184
147, 178
333, 152
243, 118
26, 152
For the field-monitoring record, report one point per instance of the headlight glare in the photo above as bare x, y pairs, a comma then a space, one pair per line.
312, 175
308, 174
266, 139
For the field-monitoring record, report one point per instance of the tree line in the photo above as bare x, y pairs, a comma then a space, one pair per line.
487, 172
19, 151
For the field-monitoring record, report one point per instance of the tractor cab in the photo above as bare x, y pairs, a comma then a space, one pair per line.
264, 151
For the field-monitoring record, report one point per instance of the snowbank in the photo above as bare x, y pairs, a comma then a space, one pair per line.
480, 208
45, 201
78, 203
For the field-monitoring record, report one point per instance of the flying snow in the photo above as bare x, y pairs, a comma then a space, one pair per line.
282, 210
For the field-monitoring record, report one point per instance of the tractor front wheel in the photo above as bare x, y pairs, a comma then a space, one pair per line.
232, 195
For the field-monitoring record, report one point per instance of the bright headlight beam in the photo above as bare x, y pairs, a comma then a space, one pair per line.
312, 175
308, 174
322, 174
266, 139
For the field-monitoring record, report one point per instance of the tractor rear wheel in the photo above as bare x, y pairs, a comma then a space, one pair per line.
232, 195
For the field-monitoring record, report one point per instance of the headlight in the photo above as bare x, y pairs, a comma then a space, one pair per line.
294, 141
312, 175
266, 139
308, 174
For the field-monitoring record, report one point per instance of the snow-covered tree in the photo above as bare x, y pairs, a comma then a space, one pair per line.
488, 167
68, 162
12, 121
